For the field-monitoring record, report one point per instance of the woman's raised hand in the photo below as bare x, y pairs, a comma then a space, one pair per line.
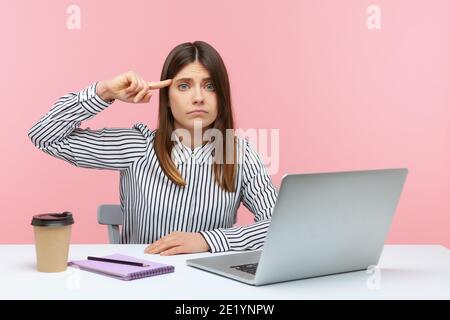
129, 87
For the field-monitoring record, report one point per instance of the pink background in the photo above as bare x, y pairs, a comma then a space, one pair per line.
344, 97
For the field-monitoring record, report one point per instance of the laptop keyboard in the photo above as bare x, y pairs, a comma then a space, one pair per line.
249, 268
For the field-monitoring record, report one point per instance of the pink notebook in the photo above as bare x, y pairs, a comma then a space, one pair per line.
123, 271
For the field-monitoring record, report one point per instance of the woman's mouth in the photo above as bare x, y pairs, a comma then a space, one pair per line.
197, 112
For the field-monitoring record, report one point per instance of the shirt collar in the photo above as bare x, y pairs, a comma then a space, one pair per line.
184, 154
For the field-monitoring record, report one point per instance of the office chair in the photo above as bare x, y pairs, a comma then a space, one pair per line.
111, 215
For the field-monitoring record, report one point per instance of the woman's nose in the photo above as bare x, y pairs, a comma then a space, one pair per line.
198, 96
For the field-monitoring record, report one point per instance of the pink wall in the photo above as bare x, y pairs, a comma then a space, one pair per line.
344, 97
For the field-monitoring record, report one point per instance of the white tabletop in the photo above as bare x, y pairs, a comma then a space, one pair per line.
404, 272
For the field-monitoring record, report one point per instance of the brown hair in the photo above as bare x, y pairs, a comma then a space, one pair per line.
179, 57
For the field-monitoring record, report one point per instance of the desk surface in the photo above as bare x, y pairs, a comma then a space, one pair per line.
404, 272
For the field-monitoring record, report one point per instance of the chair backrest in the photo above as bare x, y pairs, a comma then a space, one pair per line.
111, 215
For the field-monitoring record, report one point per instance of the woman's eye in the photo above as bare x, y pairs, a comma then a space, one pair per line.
182, 86
210, 86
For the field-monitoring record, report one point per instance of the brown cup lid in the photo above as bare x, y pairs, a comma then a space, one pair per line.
52, 219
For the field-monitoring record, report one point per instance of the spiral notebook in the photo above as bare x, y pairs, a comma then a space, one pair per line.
122, 271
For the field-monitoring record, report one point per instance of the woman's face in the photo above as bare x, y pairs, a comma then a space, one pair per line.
192, 97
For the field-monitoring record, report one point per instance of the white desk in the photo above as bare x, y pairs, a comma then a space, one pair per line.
405, 272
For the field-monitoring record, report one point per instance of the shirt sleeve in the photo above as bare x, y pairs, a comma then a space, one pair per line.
58, 134
258, 195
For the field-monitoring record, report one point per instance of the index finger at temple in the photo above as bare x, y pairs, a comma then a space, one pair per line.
159, 84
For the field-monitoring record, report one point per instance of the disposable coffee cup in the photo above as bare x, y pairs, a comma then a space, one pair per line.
52, 239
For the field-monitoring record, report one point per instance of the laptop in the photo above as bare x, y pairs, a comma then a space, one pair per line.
322, 224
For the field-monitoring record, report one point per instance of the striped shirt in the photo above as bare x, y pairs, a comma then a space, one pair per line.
152, 205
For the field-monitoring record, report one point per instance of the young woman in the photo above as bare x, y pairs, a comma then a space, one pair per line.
177, 191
